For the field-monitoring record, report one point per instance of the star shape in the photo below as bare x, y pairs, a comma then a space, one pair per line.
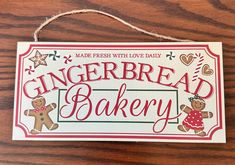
39, 59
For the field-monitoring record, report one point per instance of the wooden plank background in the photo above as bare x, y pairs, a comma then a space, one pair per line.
199, 20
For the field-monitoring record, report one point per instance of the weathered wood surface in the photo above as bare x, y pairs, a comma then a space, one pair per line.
199, 20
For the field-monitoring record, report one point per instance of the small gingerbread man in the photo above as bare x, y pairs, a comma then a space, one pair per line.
194, 120
41, 114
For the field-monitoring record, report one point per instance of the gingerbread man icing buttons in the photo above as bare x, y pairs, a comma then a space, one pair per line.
41, 115
194, 119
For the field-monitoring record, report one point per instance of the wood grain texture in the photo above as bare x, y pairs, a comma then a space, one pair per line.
198, 20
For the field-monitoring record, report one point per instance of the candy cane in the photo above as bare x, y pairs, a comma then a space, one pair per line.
199, 65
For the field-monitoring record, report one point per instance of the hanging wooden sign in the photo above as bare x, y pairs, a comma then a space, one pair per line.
166, 92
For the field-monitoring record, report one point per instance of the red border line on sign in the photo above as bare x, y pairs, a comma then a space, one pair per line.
154, 136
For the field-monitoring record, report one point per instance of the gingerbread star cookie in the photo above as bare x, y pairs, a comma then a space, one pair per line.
39, 59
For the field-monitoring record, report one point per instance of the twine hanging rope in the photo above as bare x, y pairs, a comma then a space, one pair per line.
156, 35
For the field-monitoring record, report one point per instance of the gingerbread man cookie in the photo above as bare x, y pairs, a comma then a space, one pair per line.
194, 120
41, 114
